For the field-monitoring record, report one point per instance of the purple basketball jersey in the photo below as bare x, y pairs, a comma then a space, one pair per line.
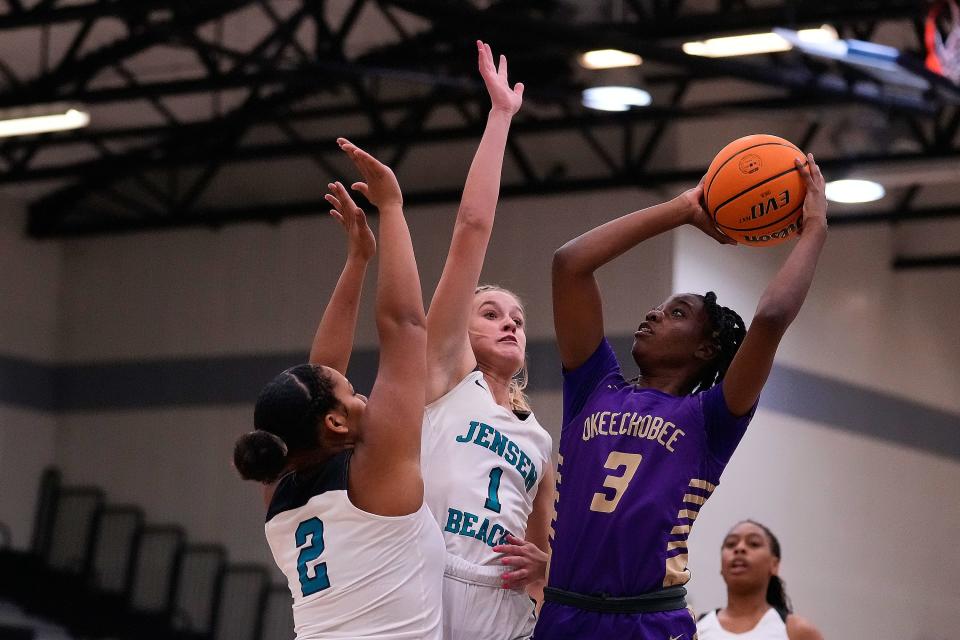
636, 466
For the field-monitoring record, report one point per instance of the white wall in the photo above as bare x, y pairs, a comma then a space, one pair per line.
29, 284
867, 527
845, 506
868, 530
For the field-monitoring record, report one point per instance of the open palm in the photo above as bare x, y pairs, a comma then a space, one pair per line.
502, 96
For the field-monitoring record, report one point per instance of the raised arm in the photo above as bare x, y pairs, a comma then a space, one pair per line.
333, 341
577, 307
385, 477
448, 346
780, 302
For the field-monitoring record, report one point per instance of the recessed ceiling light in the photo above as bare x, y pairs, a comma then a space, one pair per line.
609, 59
615, 98
854, 191
33, 120
755, 43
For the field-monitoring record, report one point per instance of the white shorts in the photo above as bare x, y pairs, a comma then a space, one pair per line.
476, 606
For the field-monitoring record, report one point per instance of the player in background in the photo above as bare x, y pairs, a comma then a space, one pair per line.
639, 458
757, 604
346, 522
487, 463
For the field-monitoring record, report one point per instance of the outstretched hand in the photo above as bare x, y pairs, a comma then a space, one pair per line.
527, 561
380, 186
815, 203
495, 78
697, 215
360, 240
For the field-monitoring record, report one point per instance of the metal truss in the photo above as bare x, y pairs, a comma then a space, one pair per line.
141, 177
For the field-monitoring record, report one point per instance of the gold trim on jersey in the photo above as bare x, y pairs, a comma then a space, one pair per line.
677, 572
696, 483
694, 499
688, 514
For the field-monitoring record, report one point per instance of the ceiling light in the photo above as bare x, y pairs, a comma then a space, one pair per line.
33, 120
854, 191
609, 59
615, 98
754, 43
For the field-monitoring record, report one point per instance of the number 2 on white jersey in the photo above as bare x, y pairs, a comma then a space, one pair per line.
616, 459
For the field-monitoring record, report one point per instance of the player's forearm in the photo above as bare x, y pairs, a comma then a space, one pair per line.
595, 248
482, 188
399, 300
784, 296
333, 340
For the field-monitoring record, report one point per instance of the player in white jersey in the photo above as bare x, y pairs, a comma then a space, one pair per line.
487, 462
347, 522
757, 604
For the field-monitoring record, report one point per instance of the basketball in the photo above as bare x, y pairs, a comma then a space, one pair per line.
753, 190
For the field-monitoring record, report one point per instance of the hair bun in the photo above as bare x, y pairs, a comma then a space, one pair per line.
260, 456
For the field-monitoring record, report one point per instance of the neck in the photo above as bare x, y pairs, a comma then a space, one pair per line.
673, 382
747, 604
498, 384
304, 459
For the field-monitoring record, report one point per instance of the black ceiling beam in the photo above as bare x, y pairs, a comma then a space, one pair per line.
801, 79
68, 79
902, 263
94, 223
182, 155
319, 113
45, 14
797, 15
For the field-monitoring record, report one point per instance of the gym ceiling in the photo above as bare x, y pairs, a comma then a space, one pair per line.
218, 111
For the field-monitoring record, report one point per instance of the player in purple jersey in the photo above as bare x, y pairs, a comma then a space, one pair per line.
638, 458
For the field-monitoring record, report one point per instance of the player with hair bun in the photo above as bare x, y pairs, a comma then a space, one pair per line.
346, 519
639, 458
757, 604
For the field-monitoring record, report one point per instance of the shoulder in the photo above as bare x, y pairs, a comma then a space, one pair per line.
799, 628
468, 386
296, 489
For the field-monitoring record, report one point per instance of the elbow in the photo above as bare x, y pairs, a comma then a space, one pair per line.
774, 317
475, 219
412, 324
563, 259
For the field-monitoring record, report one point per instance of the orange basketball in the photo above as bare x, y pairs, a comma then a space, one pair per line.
753, 190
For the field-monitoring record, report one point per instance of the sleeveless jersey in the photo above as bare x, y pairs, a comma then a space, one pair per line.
770, 627
482, 466
636, 466
354, 574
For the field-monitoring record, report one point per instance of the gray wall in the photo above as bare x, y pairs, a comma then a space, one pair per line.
160, 340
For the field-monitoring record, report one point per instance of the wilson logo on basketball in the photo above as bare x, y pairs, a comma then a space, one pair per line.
768, 205
750, 163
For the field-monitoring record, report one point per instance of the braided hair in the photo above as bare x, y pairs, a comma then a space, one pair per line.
728, 330
285, 420
776, 588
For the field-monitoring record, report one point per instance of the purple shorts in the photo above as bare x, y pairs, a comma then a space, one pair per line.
562, 622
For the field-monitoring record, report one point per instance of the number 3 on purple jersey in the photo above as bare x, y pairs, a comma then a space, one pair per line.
629, 461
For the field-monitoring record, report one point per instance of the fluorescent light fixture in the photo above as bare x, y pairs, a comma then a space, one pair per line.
33, 120
609, 59
854, 191
754, 43
615, 98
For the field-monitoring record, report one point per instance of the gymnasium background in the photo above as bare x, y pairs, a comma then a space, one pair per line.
131, 362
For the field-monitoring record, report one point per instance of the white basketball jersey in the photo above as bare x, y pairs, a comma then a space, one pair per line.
770, 627
354, 574
482, 466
